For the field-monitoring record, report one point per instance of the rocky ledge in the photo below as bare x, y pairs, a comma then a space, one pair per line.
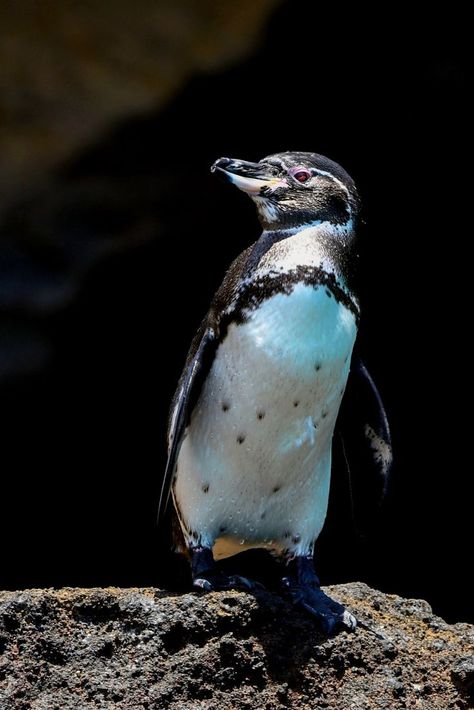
145, 649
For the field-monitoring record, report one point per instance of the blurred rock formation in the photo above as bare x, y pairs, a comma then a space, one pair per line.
69, 72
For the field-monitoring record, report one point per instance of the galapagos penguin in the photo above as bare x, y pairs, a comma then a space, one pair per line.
252, 421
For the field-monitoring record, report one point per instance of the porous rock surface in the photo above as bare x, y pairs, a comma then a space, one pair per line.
146, 649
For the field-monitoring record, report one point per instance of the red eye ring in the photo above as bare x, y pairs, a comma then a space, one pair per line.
300, 174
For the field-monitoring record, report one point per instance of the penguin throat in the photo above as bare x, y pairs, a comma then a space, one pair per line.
320, 243
343, 231
277, 216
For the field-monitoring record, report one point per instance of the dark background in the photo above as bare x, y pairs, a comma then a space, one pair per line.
83, 438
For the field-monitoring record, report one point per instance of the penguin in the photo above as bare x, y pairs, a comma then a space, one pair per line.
252, 421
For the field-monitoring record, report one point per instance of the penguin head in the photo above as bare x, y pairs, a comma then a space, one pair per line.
294, 189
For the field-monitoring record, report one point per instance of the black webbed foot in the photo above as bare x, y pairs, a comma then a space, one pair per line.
207, 577
302, 585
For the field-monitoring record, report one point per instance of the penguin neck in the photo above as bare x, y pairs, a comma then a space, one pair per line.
344, 230
319, 243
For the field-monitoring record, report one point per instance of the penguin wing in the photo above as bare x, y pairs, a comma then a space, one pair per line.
366, 443
197, 365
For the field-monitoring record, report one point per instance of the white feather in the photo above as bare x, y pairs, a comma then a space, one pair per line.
254, 467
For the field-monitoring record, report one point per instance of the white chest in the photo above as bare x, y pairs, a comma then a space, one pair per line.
255, 462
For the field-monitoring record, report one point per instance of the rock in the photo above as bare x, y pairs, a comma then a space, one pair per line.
146, 648
69, 74
463, 675
69, 70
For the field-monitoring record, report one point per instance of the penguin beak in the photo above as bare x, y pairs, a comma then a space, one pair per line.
252, 178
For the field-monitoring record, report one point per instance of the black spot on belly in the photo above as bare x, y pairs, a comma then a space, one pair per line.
296, 403
262, 516
296, 539
328, 293
205, 487
275, 489
260, 414
241, 438
287, 533
314, 424
324, 415
225, 406
317, 366
222, 529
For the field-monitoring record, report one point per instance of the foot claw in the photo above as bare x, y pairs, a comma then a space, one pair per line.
212, 583
221, 582
207, 576
349, 620
202, 585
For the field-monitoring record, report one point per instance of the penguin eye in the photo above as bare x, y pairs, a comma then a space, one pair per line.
300, 174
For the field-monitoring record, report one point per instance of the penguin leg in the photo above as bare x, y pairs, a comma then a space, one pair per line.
302, 585
207, 577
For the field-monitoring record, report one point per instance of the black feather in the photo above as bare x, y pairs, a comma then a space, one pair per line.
185, 398
365, 443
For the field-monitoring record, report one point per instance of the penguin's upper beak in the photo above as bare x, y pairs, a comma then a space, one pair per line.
252, 178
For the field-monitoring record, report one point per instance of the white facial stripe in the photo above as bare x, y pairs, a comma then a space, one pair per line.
269, 210
317, 171
330, 175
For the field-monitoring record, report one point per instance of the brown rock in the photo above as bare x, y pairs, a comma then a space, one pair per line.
145, 648
70, 69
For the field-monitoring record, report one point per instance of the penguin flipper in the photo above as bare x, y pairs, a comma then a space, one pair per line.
197, 365
364, 435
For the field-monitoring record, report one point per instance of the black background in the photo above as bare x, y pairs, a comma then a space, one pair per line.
83, 443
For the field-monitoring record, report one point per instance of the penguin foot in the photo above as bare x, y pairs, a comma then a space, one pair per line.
207, 578
330, 614
302, 586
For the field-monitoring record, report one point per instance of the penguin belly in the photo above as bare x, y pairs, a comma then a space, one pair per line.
254, 465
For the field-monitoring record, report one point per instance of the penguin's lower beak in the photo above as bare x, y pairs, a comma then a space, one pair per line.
252, 178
